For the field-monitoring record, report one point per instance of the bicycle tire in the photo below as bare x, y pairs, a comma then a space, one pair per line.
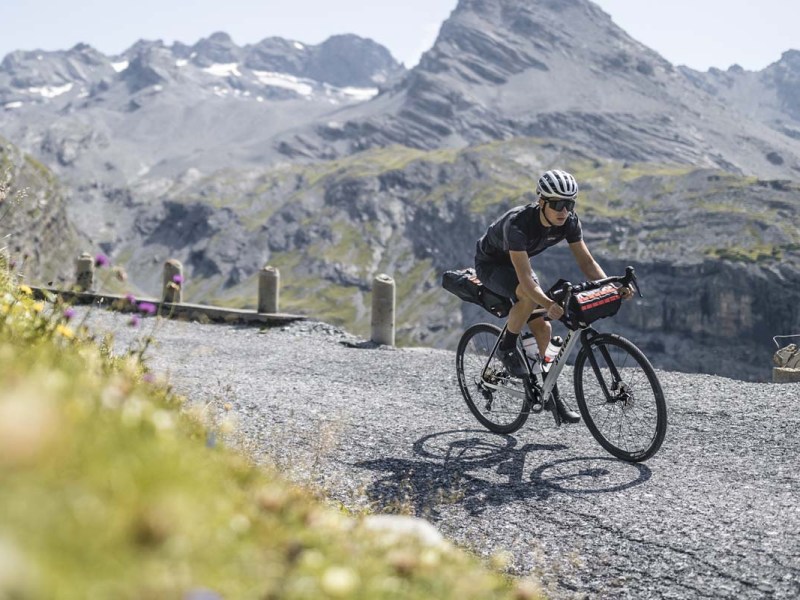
628, 419
497, 410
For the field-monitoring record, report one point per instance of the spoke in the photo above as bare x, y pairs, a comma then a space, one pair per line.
628, 424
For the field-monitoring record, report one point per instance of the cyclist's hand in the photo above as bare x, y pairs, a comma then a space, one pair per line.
555, 312
626, 293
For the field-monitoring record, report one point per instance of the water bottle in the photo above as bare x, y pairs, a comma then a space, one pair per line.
532, 352
553, 348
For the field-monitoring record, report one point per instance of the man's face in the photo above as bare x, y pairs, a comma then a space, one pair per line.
557, 217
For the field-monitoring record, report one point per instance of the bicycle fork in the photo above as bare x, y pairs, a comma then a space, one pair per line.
617, 387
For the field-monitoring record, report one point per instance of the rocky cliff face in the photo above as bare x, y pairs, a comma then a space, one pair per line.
35, 231
720, 274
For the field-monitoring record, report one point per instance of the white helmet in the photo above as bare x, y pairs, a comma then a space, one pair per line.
557, 184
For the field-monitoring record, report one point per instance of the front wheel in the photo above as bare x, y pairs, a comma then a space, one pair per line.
499, 401
620, 397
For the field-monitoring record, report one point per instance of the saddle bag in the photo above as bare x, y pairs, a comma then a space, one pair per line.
465, 284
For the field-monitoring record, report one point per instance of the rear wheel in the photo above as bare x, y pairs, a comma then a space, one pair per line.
500, 402
620, 397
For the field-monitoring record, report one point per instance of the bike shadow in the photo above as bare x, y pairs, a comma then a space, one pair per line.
477, 469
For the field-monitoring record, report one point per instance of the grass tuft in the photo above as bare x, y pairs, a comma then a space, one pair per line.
114, 487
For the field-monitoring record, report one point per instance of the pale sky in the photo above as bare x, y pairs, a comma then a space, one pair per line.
697, 33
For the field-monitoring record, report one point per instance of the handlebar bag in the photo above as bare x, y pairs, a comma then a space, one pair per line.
590, 305
465, 284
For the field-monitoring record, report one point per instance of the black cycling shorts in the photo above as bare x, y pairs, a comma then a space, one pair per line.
501, 279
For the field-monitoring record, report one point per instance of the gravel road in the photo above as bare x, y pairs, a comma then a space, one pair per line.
716, 513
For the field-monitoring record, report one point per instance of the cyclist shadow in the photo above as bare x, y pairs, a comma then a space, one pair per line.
478, 469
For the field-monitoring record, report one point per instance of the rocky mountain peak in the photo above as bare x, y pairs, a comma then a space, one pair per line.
142, 46
152, 64
277, 55
217, 48
490, 40
40, 69
350, 60
784, 75
791, 57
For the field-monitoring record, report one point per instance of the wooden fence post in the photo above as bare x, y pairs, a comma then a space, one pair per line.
785, 375
269, 281
172, 282
84, 272
383, 308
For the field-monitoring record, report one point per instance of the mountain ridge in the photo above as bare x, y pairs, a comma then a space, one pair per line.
583, 79
176, 156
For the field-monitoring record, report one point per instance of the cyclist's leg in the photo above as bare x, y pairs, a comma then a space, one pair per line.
520, 313
542, 331
502, 279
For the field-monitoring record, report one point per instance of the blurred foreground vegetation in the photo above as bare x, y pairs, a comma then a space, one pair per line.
111, 487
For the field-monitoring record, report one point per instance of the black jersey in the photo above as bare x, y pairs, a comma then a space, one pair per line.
521, 229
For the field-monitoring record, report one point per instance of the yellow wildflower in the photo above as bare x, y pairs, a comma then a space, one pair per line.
25, 289
38, 306
339, 582
65, 331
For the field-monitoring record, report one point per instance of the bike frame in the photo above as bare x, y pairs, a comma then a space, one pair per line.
574, 338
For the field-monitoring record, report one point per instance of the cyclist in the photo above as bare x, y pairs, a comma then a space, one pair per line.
502, 263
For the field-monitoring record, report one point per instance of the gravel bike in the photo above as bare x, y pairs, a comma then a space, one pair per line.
616, 388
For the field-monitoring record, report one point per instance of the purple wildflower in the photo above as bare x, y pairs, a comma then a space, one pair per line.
202, 594
149, 377
135, 320
69, 313
130, 299
147, 307
101, 260
178, 278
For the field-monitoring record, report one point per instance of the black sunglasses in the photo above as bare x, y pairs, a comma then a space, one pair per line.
559, 205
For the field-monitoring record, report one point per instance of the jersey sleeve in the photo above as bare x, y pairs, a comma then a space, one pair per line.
574, 230
514, 234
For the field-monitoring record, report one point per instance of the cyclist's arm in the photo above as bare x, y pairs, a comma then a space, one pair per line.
590, 268
586, 262
522, 266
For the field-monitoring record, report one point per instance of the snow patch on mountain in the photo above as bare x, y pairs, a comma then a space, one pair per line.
303, 87
224, 70
361, 94
51, 91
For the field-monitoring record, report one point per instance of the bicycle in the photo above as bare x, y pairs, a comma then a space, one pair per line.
621, 402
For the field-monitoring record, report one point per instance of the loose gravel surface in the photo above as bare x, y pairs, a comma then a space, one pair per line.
716, 513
